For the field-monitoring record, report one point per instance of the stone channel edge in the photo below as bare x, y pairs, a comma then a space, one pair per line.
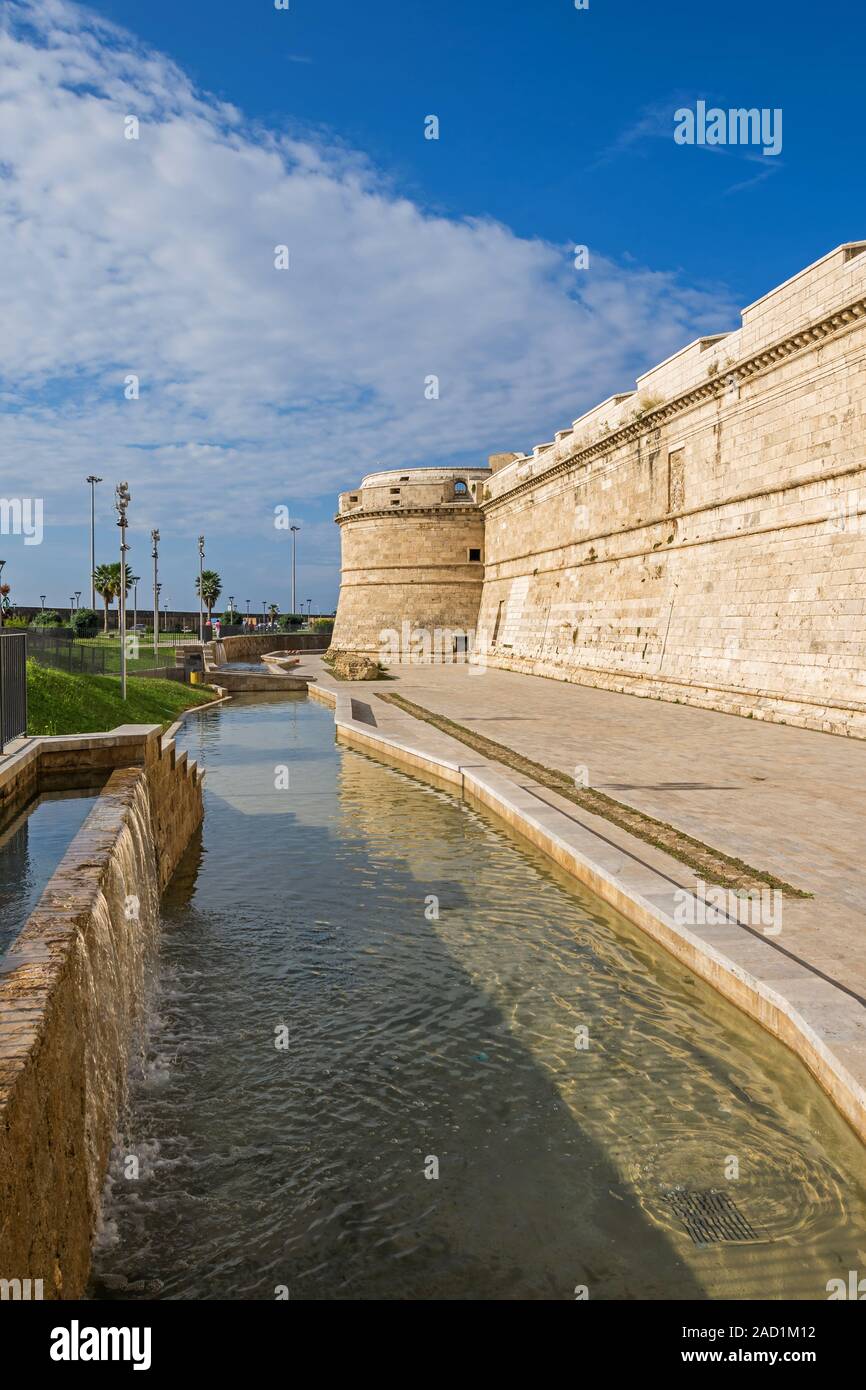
821, 1023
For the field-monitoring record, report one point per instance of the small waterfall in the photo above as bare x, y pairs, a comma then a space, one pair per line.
115, 955
219, 653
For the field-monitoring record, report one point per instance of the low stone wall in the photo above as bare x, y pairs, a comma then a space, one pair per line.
71, 990
251, 647
19, 784
247, 682
175, 788
164, 673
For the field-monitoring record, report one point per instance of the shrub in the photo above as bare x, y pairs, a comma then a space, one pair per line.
290, 621
323, 624
47, 618
85, 622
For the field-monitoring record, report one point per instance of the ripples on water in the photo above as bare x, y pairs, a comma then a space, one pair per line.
453, 1038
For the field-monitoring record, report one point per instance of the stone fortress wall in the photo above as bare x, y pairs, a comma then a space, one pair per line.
700, 538
412, 552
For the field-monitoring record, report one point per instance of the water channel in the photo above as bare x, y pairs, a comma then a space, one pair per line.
362, 981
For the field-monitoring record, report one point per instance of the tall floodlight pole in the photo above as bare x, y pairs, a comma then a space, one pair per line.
154, 536
200, 594
294, 530
93, 480
121, 503
135, 605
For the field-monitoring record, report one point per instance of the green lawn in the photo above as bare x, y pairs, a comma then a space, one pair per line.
145, 661
58, 703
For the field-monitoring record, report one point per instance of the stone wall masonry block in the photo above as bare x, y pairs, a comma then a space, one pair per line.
702, 538
72, 987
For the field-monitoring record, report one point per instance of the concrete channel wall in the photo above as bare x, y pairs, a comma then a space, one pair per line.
824, 1025
71, 989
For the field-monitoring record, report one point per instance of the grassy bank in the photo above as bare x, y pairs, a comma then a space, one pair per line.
58, 703
146, 659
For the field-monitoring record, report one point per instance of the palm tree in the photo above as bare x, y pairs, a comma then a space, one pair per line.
273, 612
106, 581
211, 588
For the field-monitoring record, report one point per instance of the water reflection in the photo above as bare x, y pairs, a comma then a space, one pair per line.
415, 1036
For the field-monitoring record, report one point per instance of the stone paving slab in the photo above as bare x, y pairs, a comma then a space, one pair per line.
786, 800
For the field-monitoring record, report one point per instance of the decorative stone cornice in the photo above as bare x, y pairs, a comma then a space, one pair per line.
715, 387
440, 509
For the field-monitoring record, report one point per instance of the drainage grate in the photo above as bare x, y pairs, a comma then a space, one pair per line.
711, 1216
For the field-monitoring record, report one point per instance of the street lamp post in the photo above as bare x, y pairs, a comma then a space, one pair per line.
77, 599
200, 595
122, 500
154, 536
264, 612
42, 598
294, 530
2, 563
93, 480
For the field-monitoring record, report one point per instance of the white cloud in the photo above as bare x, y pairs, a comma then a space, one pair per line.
155, 257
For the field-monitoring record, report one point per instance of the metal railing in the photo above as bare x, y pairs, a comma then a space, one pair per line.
56, 648
13, 686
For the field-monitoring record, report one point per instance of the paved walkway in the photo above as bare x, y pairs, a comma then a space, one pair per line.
785, 800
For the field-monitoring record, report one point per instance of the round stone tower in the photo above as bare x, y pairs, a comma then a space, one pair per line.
412, 560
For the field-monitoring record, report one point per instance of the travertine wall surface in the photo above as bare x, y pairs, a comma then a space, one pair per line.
406, 542
701, 539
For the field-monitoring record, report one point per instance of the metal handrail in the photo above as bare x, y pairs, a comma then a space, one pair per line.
13, 686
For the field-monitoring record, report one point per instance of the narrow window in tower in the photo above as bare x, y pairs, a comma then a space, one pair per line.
497, 624
474, 553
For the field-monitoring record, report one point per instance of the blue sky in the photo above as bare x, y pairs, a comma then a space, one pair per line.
407, 256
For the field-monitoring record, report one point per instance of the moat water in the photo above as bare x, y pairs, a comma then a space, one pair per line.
320, 1040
